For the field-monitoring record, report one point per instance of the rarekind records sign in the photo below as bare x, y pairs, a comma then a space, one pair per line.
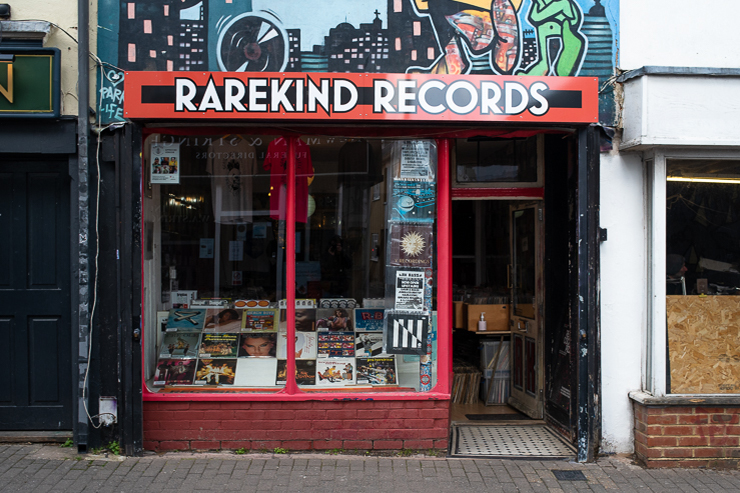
406, 97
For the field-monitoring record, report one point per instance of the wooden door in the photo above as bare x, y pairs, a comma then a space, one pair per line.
35, 331
526, 306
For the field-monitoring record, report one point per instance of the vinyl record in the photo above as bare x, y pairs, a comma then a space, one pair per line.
253, 42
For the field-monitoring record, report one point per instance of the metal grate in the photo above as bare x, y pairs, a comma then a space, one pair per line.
508, 441
569, 475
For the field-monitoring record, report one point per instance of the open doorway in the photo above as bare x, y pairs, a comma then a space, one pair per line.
513, 263
497, 288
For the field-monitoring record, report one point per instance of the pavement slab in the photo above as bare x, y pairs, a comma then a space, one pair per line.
48, 467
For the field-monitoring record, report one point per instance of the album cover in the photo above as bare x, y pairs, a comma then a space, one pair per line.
305, 373
186, 319
174, 372
336, 344
406, 333
305, 345
305, 319
213, 345
413, 201
223, 320
258, 345
376, 371
368, 344
334, 319
259, 320
411, 245
215, 372
335, 372
368, 319
179, 345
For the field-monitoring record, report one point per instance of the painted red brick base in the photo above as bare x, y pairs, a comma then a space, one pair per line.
312, 425
673, 436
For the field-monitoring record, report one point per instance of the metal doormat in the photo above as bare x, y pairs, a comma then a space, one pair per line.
564, 475
509, 441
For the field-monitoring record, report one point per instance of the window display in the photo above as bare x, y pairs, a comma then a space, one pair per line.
364, 250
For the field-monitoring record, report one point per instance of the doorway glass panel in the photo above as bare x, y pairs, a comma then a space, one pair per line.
524, 262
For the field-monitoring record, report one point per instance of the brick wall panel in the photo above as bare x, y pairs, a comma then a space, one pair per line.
357, 445
725, 418
693, 419
724, 441
308, 425
693, 441
708, 452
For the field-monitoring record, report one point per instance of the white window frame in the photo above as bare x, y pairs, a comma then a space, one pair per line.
655, 162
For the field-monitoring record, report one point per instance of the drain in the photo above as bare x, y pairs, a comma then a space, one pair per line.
561, 475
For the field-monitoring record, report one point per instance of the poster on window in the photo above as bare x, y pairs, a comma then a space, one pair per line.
415, 160
410, 245
165, 167
413, 201
406, 333
409, 290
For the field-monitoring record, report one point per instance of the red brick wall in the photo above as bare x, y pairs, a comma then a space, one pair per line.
312, 425
669, 436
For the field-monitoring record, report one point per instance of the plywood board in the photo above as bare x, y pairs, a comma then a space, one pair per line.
704, 344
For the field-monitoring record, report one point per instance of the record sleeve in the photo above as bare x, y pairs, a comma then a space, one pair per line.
369, 344
369, 319
214, 345
305, 372
186, 319
179, 345
335, 372
258, 345
413, 201
305, 345
411, 245
215, 372
377, 371
336, 344
334, 319
305, 319
259, 320
406, 333
223, 320
174, 372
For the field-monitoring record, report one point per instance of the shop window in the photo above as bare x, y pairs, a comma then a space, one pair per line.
703, 276
217, 261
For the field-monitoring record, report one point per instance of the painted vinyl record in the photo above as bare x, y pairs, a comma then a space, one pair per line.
253, 42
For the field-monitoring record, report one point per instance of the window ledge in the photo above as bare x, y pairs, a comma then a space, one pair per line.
685, 400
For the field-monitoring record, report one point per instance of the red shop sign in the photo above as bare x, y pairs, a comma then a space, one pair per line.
377, 97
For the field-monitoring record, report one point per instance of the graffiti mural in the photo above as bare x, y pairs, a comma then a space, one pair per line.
504, 37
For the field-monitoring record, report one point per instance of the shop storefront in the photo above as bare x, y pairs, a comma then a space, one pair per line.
298, 277
329, 206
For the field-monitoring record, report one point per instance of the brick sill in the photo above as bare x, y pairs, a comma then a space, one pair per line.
684, 400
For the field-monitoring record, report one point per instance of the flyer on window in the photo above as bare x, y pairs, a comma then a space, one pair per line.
415, 160
165, 167
409, 290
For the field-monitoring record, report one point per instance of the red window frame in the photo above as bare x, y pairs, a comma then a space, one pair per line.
291, 391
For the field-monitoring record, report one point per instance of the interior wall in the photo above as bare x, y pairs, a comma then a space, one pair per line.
623, 295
